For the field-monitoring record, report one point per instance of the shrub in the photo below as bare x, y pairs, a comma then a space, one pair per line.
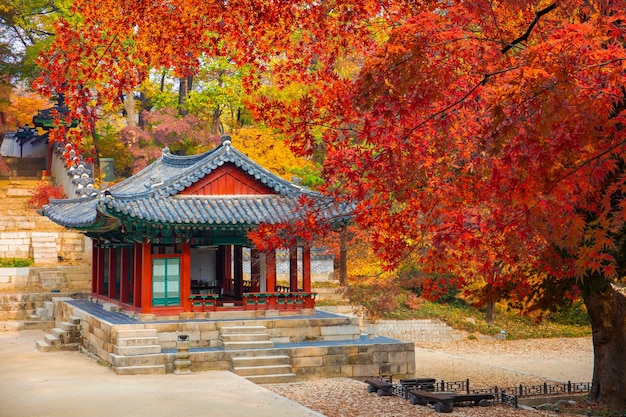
15, 262
43, 193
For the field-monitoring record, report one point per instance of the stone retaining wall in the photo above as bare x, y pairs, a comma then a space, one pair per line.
34, 279
426, 330
19, 306
45, 247
358, 362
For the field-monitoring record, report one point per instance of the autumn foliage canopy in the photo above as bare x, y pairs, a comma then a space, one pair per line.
479, 132
486, 138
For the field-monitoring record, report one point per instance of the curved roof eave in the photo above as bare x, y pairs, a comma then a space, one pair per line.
170, 174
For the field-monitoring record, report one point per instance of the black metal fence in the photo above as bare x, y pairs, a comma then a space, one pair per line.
510, 395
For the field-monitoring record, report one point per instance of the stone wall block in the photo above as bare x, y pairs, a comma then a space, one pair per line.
310, 361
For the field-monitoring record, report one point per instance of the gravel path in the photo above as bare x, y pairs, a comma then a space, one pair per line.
486, 363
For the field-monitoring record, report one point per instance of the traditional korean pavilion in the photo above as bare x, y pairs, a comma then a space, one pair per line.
173, 237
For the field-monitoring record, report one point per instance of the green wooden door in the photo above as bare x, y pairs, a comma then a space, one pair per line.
166, 282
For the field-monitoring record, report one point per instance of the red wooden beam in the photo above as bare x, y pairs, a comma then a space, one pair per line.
270, 271
95, 257
137, 275
100, 275
185, 276
146, 277
112, 291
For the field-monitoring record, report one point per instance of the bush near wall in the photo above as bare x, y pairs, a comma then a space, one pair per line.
15, 262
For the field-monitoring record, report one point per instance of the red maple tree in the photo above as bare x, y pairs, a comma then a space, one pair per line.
481, 136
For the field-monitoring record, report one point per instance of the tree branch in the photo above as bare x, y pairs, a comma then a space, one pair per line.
525, 36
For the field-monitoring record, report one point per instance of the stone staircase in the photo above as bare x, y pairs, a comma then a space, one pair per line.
245, 337
137, 352
64, 337
25, 168
252, 356
265, 368
24, 233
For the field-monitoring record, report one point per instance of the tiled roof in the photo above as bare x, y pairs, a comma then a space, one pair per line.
152, 196
245, 210
171, 174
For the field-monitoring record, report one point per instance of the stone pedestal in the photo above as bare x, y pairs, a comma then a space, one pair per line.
182, 364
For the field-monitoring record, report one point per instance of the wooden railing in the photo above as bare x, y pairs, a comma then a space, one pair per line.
297, 300
203, 302
278, 300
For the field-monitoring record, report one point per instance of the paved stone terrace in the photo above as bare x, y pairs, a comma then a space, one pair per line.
115, 318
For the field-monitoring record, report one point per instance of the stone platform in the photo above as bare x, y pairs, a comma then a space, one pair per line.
316, 346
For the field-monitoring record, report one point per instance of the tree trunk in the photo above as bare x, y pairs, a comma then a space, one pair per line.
129, 106
216, 121
343, 256
607, 313
490, 312
183, 91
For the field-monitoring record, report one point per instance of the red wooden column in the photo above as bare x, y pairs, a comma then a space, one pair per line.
255, 269
112, 292
137, 275
146, 277
293, 268
124, 276
100, 273
238, 272
185, 276
95, 257
306, 268
270, 271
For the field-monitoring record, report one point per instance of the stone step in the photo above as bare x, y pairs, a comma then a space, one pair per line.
52, 340
260, 352
243, 330
272, 379
14, 161
247, 371
260, 344
43, 346
136, 350
140, 370
139, 360
38, 324
246, 361
14, 205
137, 341
65, 336
60, 333
69, 327
245, 337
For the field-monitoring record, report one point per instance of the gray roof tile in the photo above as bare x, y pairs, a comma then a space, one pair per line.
152, 195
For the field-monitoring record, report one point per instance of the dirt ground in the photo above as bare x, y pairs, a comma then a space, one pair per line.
508, 363
72, 384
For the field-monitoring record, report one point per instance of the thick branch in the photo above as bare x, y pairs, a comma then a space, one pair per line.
525, 36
